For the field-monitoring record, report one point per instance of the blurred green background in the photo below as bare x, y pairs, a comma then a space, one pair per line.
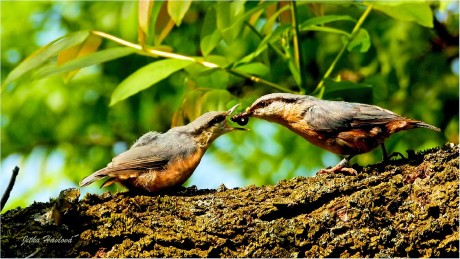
60, 128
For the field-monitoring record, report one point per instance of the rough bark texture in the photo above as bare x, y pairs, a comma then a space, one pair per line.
403, 208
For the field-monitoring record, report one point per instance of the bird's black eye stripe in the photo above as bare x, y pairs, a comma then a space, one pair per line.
217, 120
261, 104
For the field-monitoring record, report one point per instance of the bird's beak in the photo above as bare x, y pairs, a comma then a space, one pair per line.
232, 109
229, 112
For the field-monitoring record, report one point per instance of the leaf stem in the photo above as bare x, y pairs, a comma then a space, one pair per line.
256, 79
300, 64
276, 49
342, 50
154, 52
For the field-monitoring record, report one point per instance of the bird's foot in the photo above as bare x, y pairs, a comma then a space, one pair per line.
334, 169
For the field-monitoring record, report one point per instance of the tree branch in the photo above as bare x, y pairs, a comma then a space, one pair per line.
400, 208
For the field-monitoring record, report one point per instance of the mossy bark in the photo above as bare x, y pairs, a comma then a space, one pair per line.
403, 208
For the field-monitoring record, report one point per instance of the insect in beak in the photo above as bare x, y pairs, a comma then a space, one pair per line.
229, 112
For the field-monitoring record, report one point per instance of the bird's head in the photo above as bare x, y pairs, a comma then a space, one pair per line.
211, 125
270, 107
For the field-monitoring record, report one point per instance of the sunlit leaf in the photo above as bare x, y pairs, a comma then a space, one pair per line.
325, 29
43, 54
210, 36
360, 43
146, 77
144, 14
224, 19
419, 12
316, 8
261, 6
178, 9
294, 71
191, 107
85, 61
325, 19
215, 100
228, 16
256, 68
90, 45
156, 10
272, 37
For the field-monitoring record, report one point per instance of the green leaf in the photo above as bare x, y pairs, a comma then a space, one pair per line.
154, 18
294, 71
249, 13
146, 77
215, 100
85, 61
43, 54
224, 19
274, 36
419, 12
228, 23
325, 19
257, 69
360, 43
268, 27
325, 29
191, 105
210, 36
178, 9
346, 89
90, 45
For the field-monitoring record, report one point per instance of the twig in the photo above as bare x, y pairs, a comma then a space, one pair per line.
276, 49
6, 195
154, 52
344, 47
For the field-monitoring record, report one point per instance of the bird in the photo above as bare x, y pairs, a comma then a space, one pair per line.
158, 161
343, 128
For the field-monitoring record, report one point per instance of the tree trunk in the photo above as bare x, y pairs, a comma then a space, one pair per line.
403, 208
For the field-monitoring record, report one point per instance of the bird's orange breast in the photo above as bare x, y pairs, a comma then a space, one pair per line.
174, 174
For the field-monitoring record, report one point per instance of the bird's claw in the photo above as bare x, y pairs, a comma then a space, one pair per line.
332, 170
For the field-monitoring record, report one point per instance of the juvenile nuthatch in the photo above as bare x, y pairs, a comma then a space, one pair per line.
161, 160
343, 128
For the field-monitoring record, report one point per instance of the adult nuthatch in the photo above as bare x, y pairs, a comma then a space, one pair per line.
158, 161
342, 128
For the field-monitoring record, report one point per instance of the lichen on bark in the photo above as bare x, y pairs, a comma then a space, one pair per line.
402, 208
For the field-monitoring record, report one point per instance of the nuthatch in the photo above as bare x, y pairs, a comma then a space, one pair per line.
158, 161
342, 128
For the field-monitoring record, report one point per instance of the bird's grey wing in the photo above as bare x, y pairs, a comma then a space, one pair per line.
330, 115
129, 164
147, 138
154, 155
140, 158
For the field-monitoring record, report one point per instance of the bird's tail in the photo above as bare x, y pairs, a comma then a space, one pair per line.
420, 124
93, 177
